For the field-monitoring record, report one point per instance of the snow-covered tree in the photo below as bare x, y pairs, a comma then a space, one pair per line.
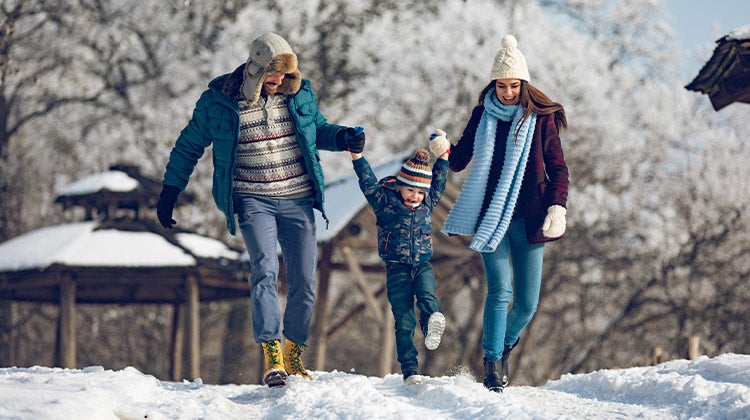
657, 240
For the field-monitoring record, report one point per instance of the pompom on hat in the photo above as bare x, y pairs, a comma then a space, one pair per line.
269, 54
509, 62
416, 172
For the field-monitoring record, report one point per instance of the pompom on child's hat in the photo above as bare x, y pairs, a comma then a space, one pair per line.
416, 172
509, 62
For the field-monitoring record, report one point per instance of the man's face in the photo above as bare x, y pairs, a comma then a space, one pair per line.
413, 197
272, 82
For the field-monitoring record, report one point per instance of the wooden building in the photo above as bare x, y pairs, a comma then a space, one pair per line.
725, 78
120, 255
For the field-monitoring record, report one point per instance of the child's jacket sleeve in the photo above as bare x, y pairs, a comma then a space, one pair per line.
368, 183
439, 177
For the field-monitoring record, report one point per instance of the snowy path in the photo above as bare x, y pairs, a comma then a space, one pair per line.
717, 388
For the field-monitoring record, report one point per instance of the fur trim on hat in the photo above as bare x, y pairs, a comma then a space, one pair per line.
269, 54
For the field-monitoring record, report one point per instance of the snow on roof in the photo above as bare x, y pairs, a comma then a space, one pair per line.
344, 199
82, 245
743, 32
116, 181
79, 244
206, 247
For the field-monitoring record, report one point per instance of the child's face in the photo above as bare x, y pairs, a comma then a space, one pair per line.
413, 197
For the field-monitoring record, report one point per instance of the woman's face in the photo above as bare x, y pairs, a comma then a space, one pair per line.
508, 91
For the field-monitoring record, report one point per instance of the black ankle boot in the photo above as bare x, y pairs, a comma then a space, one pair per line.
491, 378
504, 375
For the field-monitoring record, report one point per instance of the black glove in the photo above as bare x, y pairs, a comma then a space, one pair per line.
351, 139
165, 206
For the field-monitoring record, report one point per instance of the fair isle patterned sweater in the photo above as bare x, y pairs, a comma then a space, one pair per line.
269, 159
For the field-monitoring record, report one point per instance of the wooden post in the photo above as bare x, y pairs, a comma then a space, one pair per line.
67, 322
693, 346
193, 326
656, 356
178, 338
361, 282
387, 342
320, 323
13, 333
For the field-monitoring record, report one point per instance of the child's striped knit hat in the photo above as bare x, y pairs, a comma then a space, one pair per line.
416, 172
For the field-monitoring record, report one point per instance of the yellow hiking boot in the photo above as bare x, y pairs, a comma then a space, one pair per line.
293, 358
274, 373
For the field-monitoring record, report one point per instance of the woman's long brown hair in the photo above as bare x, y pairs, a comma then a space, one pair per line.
534, 101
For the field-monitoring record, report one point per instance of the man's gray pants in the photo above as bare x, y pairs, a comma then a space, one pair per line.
264, 221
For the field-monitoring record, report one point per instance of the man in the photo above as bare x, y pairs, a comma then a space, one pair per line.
266, 129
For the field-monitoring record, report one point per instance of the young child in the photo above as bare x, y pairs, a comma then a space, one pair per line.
403, 205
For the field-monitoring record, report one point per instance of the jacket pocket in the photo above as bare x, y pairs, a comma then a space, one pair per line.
221, 127
222, 184
224, 136
305, 114
426, 239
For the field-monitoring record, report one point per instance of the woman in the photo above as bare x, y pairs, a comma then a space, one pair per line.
513, 200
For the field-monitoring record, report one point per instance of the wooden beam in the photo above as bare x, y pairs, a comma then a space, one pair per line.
339, 326
177, 344
370, 268
694, 343
320, 322
67, 321
361, 282
387, 342
193, 325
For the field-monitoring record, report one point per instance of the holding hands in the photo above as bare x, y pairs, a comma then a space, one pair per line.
439, 144
351, 139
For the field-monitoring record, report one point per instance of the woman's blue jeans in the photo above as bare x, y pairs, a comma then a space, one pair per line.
513, 269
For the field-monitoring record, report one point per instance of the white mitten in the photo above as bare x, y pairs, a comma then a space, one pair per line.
554, 223
439, 143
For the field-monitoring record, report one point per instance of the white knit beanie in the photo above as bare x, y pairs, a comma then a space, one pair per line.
269, 53
509, 62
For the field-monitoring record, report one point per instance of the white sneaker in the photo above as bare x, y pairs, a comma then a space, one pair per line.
414, 380
435, 327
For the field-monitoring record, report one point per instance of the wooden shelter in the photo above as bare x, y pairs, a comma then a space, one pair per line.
347, 246
725, 78
118, 255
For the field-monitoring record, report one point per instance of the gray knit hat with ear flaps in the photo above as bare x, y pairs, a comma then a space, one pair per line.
269, 54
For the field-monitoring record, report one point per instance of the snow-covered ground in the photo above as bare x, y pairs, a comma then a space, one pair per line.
705, 388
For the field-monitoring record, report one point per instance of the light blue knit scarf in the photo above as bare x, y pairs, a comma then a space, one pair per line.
462, 219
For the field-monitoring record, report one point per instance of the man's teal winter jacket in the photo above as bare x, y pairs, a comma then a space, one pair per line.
215, 121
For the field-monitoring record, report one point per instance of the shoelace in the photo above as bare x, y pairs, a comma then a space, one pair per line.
272, 347
294, 357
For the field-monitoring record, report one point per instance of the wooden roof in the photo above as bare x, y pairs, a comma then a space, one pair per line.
725, 78
98, 198
218, 276
99, 254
